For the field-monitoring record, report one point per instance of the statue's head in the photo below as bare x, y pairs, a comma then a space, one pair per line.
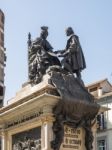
69, 31
44, 32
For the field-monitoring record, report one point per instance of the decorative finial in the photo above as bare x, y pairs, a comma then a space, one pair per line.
29, 39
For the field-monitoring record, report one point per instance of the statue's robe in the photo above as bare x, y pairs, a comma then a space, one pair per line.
74, 54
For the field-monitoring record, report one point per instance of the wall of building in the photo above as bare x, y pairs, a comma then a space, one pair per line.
106, 133
102, 91
106, 87
2, 57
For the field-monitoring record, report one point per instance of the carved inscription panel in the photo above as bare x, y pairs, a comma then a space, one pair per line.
74, 139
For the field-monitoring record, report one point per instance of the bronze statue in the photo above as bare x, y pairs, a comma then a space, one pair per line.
76, 107
41, 56
73, 59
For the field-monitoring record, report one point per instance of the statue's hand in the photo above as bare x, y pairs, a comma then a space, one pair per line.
62, 52
56, 52
60, 55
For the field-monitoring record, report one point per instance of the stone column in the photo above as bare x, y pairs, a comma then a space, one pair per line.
4, 140
46, 136
46, 128
94, 129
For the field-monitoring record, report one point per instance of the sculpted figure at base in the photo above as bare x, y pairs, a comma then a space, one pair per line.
73, 59
27, 144
41, 56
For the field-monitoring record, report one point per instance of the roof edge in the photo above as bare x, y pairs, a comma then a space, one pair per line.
97, 82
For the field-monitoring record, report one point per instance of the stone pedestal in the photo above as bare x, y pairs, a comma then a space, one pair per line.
29, 117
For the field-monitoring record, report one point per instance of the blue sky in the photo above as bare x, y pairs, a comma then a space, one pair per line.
90, 19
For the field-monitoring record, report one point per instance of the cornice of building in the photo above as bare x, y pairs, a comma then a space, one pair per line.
1, 65
1, 29
1, 84
2, 48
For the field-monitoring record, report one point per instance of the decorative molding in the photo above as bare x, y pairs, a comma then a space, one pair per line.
23, 119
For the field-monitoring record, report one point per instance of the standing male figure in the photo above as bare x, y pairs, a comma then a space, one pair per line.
73, 60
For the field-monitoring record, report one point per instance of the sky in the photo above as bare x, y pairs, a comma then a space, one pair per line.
90, 19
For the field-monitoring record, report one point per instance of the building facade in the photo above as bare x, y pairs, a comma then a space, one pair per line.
102, 91
2, 58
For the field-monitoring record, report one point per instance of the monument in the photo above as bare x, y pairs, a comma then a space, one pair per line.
77, 107
53, 111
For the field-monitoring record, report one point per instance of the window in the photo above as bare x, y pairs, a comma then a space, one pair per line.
1, 91
1, 56
101, 144
93, 89
2, 44
2, 37
101, 121
1, 74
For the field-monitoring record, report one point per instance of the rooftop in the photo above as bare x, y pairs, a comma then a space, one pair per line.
98, 82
